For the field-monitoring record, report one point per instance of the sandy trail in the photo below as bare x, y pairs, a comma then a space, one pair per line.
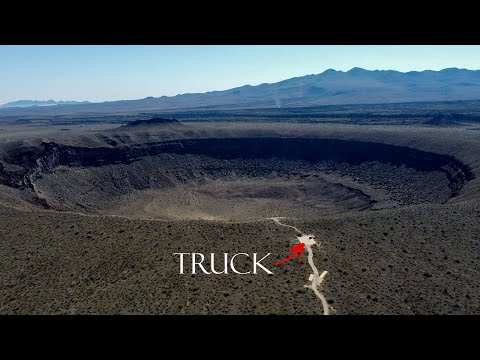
277, 220
317, 279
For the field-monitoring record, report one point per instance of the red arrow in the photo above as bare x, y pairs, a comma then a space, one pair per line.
297, 249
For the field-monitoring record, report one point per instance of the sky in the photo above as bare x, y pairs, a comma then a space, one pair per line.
104, 73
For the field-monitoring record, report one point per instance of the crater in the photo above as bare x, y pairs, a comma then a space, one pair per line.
235, 178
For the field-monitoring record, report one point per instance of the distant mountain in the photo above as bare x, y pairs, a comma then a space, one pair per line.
28, 103
356, 86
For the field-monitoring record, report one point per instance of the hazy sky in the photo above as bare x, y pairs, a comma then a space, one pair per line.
99, 73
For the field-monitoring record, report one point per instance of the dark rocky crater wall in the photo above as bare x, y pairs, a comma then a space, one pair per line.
29, 163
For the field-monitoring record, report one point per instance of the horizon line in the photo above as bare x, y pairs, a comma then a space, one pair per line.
329, 70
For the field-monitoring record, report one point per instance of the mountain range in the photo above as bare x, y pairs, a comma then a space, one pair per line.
28, 103
331, 87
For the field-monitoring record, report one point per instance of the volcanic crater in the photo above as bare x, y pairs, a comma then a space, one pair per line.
231, 178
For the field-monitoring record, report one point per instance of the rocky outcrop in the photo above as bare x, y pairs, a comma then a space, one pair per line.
151, 122
3, 175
